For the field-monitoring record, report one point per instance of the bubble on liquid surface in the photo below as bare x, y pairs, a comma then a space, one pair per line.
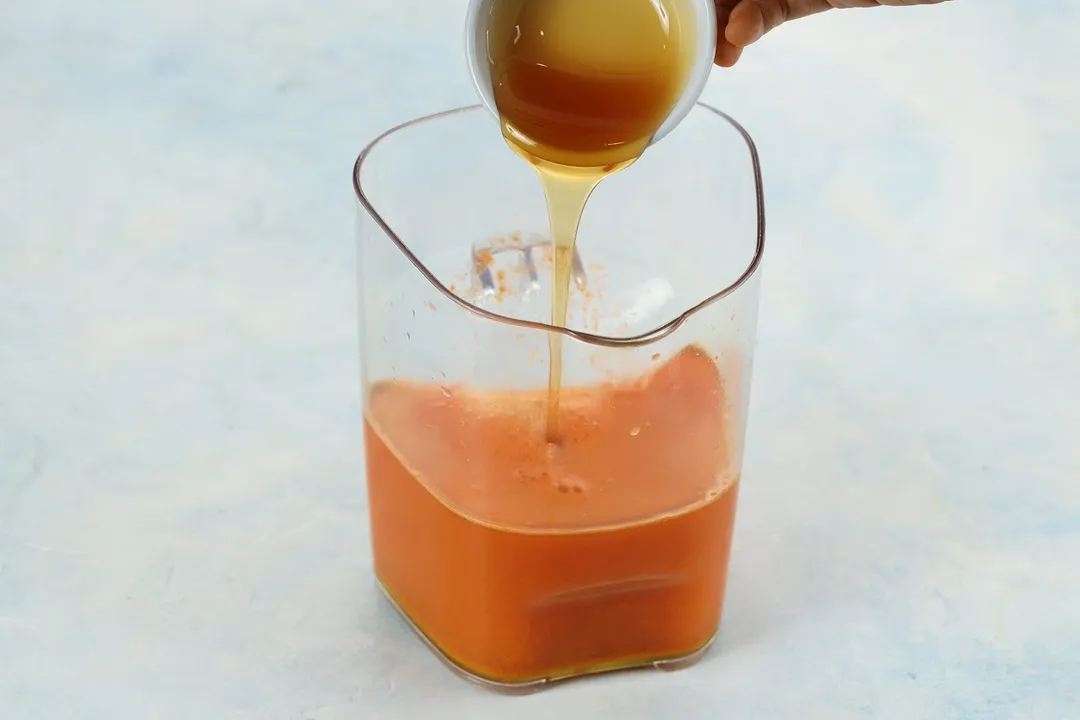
569, 486
635, 430
446, 391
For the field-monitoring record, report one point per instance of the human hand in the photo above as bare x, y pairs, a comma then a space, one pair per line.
743, 22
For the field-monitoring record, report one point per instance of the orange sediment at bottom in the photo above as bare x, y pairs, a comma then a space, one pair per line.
521, 561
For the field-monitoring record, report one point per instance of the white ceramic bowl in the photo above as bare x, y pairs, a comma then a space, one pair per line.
705, 23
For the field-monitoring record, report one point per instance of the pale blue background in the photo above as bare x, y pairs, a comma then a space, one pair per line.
182, 514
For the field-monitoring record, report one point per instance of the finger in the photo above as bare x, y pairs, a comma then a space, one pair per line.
726, 53
743, 22
750, 19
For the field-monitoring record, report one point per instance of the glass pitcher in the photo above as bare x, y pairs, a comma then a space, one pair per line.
517, 560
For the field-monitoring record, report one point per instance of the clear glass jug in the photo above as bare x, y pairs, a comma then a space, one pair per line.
517, 560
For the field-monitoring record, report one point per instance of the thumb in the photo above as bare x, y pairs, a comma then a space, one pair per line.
750, 19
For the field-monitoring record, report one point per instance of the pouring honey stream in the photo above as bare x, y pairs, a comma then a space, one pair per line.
581, 87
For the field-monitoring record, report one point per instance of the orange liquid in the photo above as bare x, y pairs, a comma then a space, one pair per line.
523, 561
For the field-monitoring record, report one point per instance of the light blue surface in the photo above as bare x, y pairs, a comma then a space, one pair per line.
182, 513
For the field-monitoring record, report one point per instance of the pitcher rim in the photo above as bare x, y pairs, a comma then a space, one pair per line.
646, 338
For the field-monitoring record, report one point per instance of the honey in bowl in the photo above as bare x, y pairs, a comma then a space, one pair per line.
587, 83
